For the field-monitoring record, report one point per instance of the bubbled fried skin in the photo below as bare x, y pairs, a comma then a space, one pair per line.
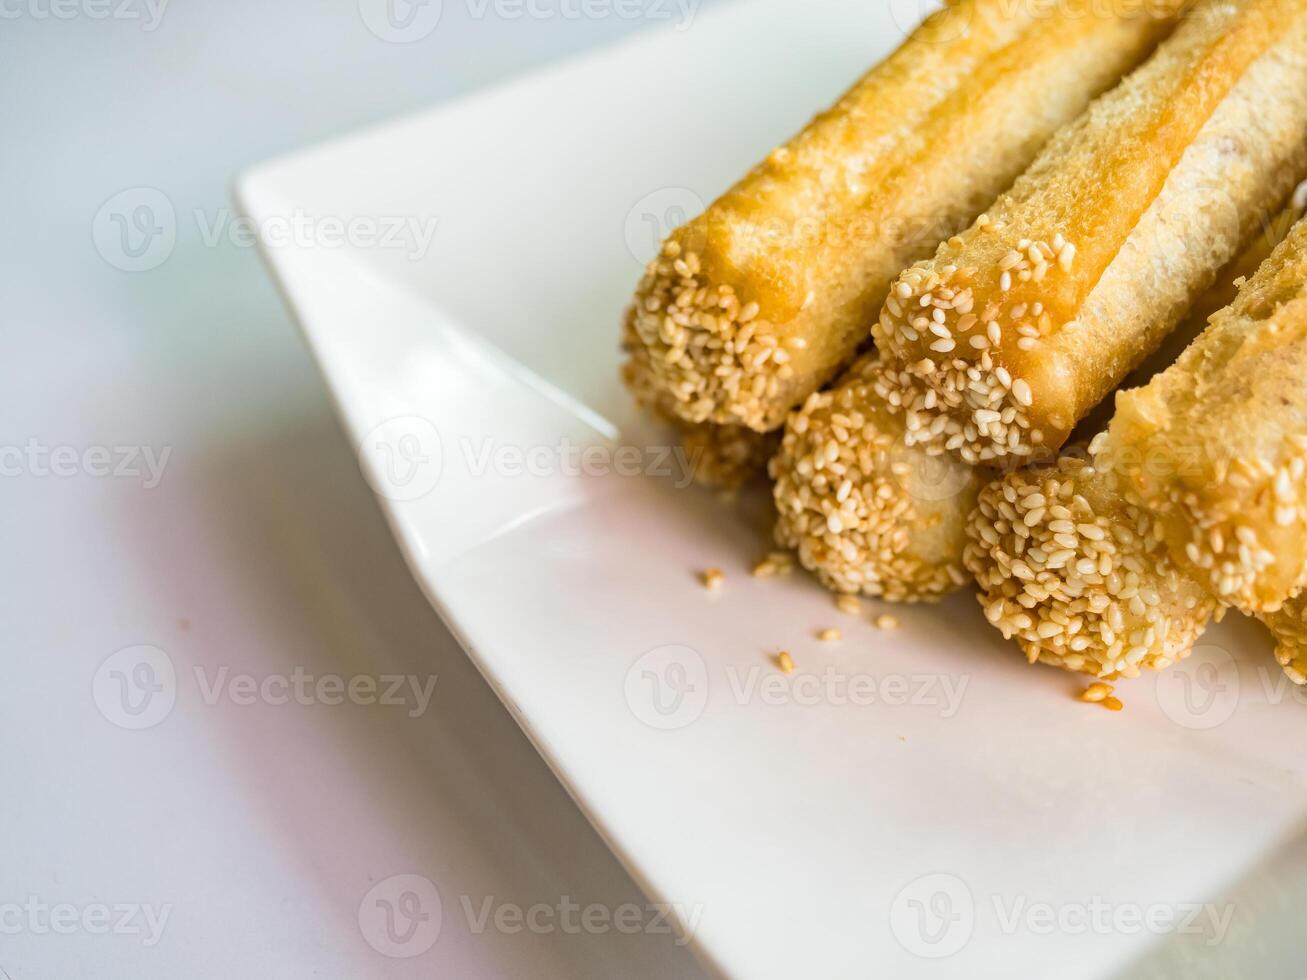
759, 301
1216, 445
1018, 326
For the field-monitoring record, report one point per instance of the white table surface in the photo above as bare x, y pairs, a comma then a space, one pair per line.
252, 832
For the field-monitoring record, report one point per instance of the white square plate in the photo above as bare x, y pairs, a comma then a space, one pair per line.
910, 803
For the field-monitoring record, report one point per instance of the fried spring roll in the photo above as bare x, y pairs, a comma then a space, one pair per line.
864, 511
868, 513
1217, 446
760, 300
1016, 328
1117, 563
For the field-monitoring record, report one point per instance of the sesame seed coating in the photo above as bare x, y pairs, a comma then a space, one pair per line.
764, 297
1216, 445
1289, 627
1076, 575
1018, 326
865, 512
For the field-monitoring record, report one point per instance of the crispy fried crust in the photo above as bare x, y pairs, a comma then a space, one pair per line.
1217, 444
1074, 570
1019, 325
900, 514
757, 302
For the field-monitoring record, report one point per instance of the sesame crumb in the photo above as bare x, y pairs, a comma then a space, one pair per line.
774, 563
712, 579
1096, 692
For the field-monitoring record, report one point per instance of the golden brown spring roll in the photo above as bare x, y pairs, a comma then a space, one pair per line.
1116, 563
868, 513
757, 302
1016, 328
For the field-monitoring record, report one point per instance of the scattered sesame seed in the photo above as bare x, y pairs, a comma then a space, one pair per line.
712, 579
1096, 692
1112, 704
885, 621
785, 661
848, 604
829, 634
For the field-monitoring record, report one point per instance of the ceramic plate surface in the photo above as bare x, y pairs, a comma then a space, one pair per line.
914, 802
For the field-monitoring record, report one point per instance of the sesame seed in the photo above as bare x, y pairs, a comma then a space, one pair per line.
712, 579
785, 662
885, 621
1096, 692
829, 634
